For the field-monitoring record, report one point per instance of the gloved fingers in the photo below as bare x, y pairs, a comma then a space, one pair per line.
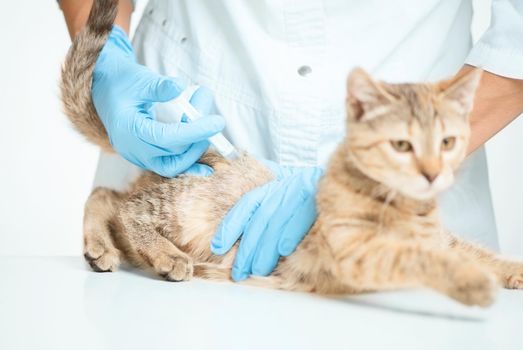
134, 160
311, 177
199, 129
144, 125
202, 100
169, 136
170, 166
234, 223
288, 226
266, 256
297, 227
255, 231
198, 169
305, 216
117, 46
158, 88
153, 151
125, 140
148, 108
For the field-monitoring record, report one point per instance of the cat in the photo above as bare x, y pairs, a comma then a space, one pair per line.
377, 226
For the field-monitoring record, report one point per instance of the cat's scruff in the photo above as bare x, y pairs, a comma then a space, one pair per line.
377, 225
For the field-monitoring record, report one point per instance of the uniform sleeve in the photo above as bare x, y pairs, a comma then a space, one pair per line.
500, 49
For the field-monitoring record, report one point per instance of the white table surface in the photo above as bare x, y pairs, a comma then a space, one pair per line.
57, 303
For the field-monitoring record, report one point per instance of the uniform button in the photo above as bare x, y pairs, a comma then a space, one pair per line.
183, 40
151, 12
164, 22
304, 71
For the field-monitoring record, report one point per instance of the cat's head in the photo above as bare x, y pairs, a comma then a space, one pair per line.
409, 137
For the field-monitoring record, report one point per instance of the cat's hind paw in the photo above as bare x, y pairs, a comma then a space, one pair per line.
173, 268
101, 259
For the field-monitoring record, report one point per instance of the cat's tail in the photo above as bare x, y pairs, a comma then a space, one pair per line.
77, 72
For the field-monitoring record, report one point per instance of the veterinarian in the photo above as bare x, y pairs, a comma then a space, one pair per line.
277, 71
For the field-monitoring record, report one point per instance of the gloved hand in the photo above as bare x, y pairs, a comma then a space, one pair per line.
124, 93
273, 219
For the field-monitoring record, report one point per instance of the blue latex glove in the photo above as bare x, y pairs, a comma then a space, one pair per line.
124, 93
273, 220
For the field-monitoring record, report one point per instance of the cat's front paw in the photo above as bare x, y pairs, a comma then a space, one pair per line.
511, 275
473, 286
101, 258
174, 268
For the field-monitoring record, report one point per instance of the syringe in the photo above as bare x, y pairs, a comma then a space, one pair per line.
182, 106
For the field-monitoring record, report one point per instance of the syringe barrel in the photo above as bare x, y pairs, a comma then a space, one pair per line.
219, 141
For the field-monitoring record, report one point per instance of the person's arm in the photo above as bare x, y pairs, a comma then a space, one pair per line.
77, 11
499, 98
498, 101
124, 93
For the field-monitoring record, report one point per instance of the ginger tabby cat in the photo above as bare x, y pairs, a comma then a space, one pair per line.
377, 225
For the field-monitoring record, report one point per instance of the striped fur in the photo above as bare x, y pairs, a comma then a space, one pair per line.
377, 225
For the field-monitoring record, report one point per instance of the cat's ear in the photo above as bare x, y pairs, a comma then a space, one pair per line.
461, 89
364, 95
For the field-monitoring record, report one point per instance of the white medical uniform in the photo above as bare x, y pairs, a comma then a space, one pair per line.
278, 70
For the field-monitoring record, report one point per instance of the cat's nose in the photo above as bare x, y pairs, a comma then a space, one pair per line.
430, 176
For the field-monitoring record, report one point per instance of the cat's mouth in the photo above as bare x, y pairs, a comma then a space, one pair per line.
424, 190
426, 194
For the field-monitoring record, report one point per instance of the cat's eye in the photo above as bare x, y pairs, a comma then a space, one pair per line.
401, 145
448, 143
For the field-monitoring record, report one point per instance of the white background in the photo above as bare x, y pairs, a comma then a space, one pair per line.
47, 169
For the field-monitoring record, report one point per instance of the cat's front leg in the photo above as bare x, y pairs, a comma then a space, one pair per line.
509, 273
386, 263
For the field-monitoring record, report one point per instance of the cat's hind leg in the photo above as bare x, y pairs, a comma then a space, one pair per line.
99, 219
388, 263
141, 217
509, 273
